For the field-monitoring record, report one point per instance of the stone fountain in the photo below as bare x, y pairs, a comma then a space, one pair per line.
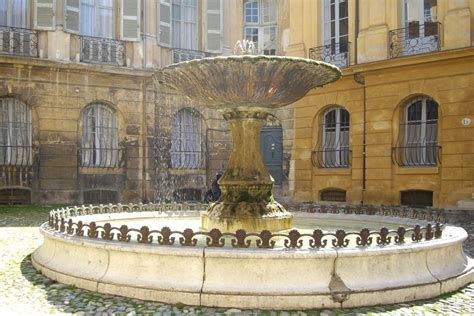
245, 89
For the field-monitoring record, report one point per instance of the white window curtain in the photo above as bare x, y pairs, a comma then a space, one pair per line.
421, 133
260, 25
15, 133
100, 137
184, 24
186, 140
97, 18
14, 13
336, 138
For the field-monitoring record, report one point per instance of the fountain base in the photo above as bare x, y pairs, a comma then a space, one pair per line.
246, 215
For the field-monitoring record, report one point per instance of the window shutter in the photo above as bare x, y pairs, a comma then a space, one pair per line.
131, 20
71, 14
213, 29
45, 17
164, 27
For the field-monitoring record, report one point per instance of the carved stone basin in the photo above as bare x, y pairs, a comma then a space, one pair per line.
245, 89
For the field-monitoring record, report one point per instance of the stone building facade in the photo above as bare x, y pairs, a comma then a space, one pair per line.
84, 122
397, 128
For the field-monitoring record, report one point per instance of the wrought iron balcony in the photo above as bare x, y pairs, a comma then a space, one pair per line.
107, 157
414, 39
18, 41
337, 54
417, 146
181, 54
96, 50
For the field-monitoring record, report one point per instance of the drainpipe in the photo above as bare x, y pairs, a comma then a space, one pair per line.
361, 80
356, 30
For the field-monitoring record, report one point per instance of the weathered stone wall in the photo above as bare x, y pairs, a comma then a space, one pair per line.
57, 93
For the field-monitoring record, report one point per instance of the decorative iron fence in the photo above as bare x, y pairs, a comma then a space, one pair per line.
101, 157
181, 54
417, 145
18, 41
414, 39
62, 221
338, 54
102, 51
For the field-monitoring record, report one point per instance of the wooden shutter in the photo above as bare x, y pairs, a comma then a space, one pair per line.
164, 27
130, 20
72, 11
45, 17
213, 26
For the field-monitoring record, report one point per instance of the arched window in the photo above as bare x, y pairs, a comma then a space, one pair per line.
333, 195
418, 141
15, 133
186, 140
99, 136
332, 150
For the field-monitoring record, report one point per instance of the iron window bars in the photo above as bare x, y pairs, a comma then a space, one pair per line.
337, 54
417, 144
332, 149
415, 39
102, 50
18, 41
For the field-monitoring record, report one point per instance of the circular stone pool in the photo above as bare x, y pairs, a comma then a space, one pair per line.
332, 258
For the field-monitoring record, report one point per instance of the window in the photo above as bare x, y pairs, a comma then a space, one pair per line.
100, 197
99, 137
14, 13
186, 140
333, 195
416, 198
15, 196
332, 150
336, 27
418, 141
184, 24
97, 18
260, 25
420, 18
15, 133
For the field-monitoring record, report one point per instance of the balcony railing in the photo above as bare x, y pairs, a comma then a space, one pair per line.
415, 39
96, 50
337, 54
181, 54
18, 41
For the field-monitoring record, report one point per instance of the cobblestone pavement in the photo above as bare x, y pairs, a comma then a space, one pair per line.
23, 291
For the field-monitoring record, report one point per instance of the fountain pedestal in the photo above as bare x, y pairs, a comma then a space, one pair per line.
246, 201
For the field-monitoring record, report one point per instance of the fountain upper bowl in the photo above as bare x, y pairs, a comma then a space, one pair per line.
227, 82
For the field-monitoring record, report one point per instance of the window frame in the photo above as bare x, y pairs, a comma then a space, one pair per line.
336, 48
261, 26
11, 133
9, 12
96, 7
340, 148
94, 144
182, 24
183, 141
423, 123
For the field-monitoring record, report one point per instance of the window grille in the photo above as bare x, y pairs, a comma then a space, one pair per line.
260, 25
417, 145
15, 133
100, 137
100, 197
333, 195
15, 196
186, 140
416, 198
332, 150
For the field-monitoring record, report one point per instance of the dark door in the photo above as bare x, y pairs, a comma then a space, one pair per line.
271, 143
